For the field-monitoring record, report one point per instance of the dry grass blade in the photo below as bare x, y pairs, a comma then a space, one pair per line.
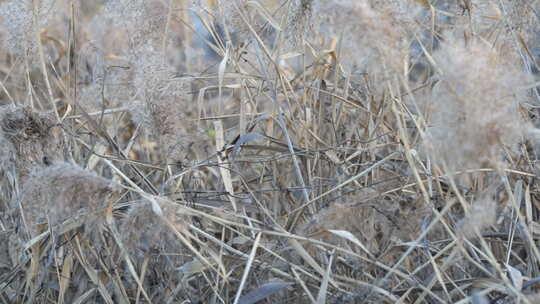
247, 268
263, 292
84, 296
323, 290
65, 277
349, 236
224, 166
307, 257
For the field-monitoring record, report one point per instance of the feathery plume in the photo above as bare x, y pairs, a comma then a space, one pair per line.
475, 105
22, 21
153, 238
299, 21
29, 140
373, 36
63, 191
163, 103
481, 215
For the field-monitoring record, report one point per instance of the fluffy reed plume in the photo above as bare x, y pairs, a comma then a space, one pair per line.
62, 191
163, 104
8, 173
145, 232
29, 140
158, 99
22, 21
151, 239
144, 21
373, 36
35, 138
481, 215
299, 21
475, 105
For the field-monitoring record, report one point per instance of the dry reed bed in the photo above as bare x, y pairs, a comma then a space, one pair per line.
294, 151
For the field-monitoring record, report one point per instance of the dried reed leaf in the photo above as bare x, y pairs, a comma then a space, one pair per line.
82, 298
262, 292
191, 268
349, 236
224, 167
306, 256
323, 290
515, 276
248, 267
65, 280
